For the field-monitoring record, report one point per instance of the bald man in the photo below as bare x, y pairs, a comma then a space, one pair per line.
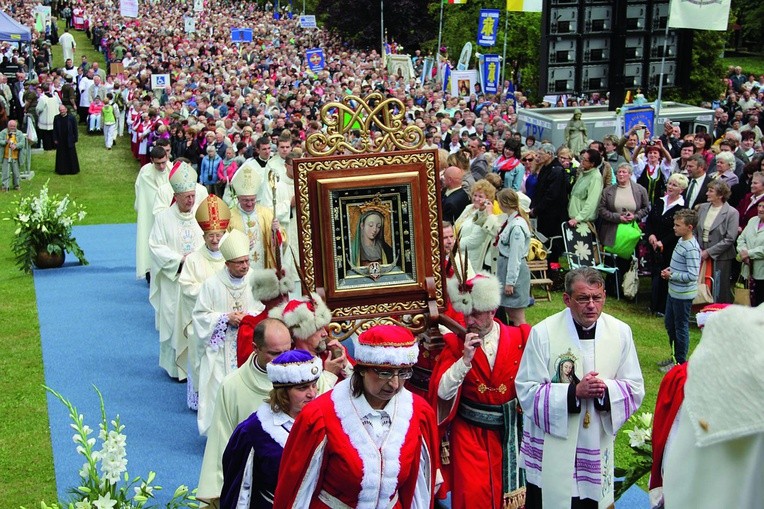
455, 199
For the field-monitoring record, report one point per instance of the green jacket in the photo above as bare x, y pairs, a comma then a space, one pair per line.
21, 143
585, 196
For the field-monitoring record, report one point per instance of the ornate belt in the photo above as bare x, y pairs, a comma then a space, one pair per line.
481, 414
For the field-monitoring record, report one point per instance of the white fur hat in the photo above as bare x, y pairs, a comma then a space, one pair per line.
294, 367
304, 316
481, 293
386, 345
234, 244
267, 286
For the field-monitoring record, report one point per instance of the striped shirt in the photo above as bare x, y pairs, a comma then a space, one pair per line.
685, 266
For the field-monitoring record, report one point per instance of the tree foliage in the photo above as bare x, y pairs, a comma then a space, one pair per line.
706, 69
358, 22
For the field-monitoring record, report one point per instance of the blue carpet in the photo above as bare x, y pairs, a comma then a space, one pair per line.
97, 329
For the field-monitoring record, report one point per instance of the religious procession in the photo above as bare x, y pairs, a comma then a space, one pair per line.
384, 277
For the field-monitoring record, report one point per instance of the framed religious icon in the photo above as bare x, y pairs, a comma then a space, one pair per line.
369, 232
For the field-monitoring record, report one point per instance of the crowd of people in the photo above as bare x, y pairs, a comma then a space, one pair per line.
284, 408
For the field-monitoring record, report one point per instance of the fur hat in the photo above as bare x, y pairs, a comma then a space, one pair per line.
213, 214
304, 316
234, 244
481, 293
267, 286
294, 367
386, 345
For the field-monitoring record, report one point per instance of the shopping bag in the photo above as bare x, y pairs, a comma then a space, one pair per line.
630, 283
626, 238
742, 292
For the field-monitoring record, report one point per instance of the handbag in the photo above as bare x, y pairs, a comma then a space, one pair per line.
630, 283
742, 292
626, 238
705, 283
31, 133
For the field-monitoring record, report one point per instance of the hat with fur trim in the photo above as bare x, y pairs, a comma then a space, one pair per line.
295, 367
481, 293
246, 181
234, 244
304, 316
182, 177
213, 214
386, 345
266, 285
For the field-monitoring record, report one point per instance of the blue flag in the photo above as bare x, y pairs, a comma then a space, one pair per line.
491, 68
447, 78
488, 27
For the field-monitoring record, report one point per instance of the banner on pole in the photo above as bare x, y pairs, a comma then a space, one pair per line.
198, 5
189, 24
700, 15
639, 115
491, 66
308, 21
128, 8
463, 82
457, 1
241, 35
488, 27
524, 5
314, 59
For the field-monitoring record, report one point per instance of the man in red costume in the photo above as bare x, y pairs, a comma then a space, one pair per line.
369, 443
473, 390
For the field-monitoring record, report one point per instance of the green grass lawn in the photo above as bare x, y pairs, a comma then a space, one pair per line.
753, 64
105, 186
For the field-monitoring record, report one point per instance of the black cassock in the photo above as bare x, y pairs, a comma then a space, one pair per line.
65, 137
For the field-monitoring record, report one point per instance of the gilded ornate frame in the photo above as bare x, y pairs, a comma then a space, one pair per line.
318, 181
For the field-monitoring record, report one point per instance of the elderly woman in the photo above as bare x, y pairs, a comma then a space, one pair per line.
252, 458
747, 206
716, 233
369, 442
621, 203
750, 248
476, 226
725, 168
659, 230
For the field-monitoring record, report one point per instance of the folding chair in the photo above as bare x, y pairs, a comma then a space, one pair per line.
582, 249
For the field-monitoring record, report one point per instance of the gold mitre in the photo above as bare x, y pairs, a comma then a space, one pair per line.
182, 177
246, 181
375, 205
234, 244
213, 214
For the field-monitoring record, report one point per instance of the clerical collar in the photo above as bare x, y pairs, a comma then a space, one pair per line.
256, 365
234, 280
585, 333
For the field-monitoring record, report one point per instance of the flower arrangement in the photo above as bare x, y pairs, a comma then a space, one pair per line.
640, 440
105, 483
44, 224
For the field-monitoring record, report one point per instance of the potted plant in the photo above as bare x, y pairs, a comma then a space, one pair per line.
44, 230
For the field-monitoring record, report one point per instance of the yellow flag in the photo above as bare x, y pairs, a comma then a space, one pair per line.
524, 5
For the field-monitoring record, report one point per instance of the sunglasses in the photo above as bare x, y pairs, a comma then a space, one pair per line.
527, 159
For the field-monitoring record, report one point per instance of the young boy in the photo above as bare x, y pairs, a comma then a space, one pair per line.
682, 277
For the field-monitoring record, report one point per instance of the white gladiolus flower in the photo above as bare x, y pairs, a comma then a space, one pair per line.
104, 502
646, 419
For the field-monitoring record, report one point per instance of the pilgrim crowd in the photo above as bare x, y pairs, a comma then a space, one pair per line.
506, 415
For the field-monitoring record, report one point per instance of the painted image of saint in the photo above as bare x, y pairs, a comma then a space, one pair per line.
369, 243
565, 371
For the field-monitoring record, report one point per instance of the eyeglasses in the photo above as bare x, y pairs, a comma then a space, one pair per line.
403, 374
583, 300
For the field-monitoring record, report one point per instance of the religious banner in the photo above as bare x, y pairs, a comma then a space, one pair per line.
198, 5
314, 59
427, 70
491, 67
128, 8
524, 5
463, 82
241, 35
699, 14
488, 27
640, 115
189, 24
401, 66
